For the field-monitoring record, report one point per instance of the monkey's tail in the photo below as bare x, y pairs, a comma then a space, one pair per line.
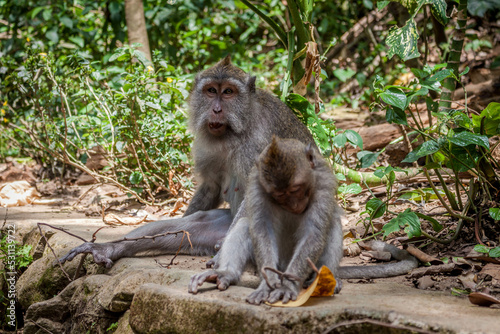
406, 263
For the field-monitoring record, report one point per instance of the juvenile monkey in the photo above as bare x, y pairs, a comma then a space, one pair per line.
232, 122
292, 215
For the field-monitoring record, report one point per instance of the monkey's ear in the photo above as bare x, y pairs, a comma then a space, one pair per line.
310, 155
226, 61
251, 84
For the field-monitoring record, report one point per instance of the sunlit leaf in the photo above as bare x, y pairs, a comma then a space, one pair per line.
403, 41
407, 220
323, 285
495, 213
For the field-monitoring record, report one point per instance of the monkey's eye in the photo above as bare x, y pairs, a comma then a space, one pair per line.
228, 91
212, 90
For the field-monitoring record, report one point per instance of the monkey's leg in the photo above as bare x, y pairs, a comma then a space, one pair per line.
235, 254
204, 227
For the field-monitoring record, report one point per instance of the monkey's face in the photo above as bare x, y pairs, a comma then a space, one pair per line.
294, 199
220, 97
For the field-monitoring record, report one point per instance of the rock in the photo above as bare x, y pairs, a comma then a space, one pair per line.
425, 282
123, 324
118, 292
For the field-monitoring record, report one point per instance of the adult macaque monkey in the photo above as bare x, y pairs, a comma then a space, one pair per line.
291, 215
232, 121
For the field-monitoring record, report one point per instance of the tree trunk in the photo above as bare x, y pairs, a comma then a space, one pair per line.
136, 25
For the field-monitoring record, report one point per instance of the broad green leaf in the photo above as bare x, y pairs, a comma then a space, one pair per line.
409, 220
396, 115
495, 252
340, 176
354, 138
47, 13
428, 147
343, 74
438, 10
441, 75
367, 158
403, 41
52, 35
117, 54
67, 21
339, 140
494, 213
382, 4
136, 178
352, 188
394, 97
491, 122
142, 57
481, 249
77, 40
467, 138
35, 11
376, 208
462, 159
480, 7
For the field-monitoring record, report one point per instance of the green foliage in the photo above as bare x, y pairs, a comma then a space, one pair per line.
22, 257
113, 327
407, 220
491, 251
132, 112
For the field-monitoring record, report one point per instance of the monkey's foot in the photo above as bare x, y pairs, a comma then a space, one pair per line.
289, 291
222, 279
100, 253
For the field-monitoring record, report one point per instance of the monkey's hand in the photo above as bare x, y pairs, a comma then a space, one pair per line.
223, 279
100, 252
260, 295
213, 262
288, 291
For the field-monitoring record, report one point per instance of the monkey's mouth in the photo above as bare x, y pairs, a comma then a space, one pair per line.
217, 128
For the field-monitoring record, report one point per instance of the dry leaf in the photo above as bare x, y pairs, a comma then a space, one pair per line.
323, 285
112, 219
17, 193
482, 299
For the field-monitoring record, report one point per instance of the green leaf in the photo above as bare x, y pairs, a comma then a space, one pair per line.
481, 249
367, 158
409, 220
339, 140
135, 178
480, 7
352, 188
67, 21
438, 10
495, 252
153, 105
354, 138
435, 224
343, 74
52, 35
376, 208
466, 138
394, 97
491, 116
77, 40
426, 148
47, 13
382, 4
396, 115
117, 54
35, 11
142, 58
403, 41
494, 213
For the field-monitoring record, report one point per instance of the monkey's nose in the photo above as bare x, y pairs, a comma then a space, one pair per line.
217, 110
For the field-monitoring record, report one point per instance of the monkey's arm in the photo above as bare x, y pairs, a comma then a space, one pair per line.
205, 229
206, 197
311, 243
406, 262
235, 254
264, 241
